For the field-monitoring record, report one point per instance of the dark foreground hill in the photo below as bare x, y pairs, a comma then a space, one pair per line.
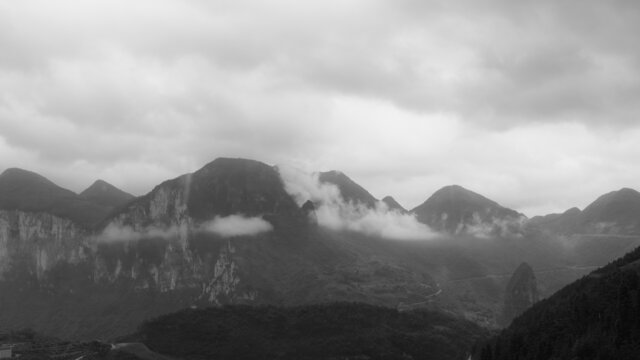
328, 331
596, 317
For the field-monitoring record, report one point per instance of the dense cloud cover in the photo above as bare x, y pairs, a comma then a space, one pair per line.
521, 100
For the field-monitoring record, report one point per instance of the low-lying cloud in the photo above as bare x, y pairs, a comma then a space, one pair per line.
124, 233
237, 225
508, 227
228, 226
333, 212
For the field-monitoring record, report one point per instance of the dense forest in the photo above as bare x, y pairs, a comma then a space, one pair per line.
597, 317
328, 331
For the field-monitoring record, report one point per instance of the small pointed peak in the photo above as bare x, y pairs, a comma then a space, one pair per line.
105, 194
392, 204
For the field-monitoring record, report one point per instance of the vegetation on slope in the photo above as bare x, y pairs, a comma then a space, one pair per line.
329, 331
596, 317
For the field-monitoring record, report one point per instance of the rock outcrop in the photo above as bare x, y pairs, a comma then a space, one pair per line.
521, 293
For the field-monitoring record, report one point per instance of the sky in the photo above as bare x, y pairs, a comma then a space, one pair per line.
533, 104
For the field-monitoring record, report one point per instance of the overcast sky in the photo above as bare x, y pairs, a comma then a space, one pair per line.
533, 104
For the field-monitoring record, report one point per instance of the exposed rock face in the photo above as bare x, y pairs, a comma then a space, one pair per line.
521, 293
38, 241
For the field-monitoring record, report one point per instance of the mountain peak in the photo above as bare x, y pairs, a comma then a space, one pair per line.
28, 191
392, 204
350, 190
614, 212
103, 193
453, 208
18, 175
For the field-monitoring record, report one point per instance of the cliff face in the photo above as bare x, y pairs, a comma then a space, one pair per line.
157, 247
39, 241
521, 293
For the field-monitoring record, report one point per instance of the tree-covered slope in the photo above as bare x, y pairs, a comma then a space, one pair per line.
328, 331
596, 317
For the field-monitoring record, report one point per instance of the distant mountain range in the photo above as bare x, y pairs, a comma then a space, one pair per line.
98, 263
616, 213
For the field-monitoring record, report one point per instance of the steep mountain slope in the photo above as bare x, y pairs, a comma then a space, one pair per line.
350, 190
457, 210
105, 194
521, 293
596, 317
617, 212
27, 191
329, 331
392, 204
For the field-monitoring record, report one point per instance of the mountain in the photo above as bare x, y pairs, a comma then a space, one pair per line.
565, 223
350, 190
392, 204
187, 243
221, 188
615, 213
27, 191
457, 210
321, 331
229, 233
521, 293
105, 194
596, 317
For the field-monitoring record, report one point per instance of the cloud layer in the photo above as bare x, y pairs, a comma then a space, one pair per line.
237, 225
333, 212
519, 100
